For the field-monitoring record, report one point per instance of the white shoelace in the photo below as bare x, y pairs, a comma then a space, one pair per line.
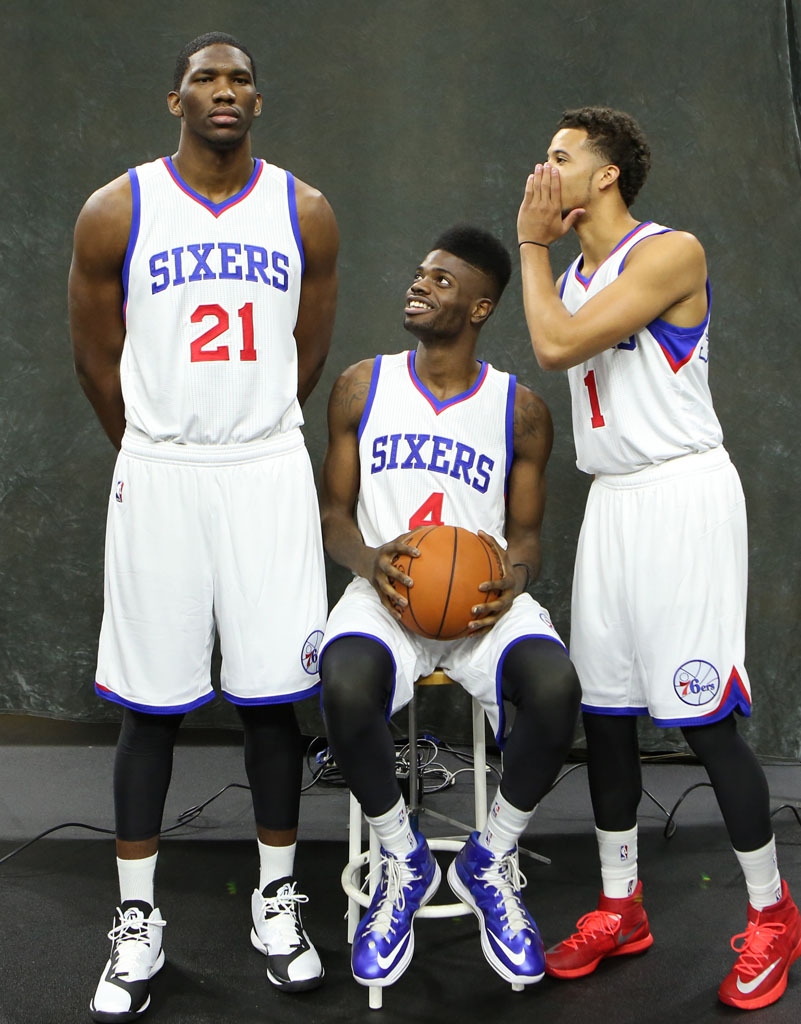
284, 908
504, 874
399, 875
132, 941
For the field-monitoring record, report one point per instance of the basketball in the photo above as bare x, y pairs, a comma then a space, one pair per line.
452, 563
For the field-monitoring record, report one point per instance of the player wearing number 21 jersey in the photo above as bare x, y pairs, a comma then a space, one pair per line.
659, 590
435, 436
202, 296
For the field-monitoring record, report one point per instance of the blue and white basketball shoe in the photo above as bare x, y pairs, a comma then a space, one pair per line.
491, 886
384, 939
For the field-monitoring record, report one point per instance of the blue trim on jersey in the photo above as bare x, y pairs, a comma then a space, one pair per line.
613, 711
678, 343
215, 208
368, 405
136, 216
293, 216
435, 402
283, 698
653, 234
580, 261
566, 275
510, 426
153, 709
500, 736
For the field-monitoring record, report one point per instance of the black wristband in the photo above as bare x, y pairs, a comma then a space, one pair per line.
530, 241
523, 565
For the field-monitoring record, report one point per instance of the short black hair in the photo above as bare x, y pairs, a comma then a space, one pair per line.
618, 138
481, 250
200, 43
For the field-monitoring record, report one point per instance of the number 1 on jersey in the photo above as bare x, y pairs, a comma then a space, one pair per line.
429, 513
595, 406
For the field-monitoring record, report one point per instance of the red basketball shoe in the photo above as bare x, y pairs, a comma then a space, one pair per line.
616, 928
770, 943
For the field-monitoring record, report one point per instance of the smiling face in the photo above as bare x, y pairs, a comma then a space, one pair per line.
217, 99
582, 170
446, 295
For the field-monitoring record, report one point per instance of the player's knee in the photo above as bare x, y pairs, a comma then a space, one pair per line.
540, 678
357, 680
143, 733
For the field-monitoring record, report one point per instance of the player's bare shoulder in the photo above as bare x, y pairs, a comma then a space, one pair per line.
349, 394
532, 425
104, 224
318, 226
671, 249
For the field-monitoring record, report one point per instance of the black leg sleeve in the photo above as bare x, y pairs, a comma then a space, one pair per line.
274, 763
357, 675
738, 780
540, 681
613, 765
142, 772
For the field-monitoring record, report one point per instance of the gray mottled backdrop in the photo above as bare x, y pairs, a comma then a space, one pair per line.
409, 116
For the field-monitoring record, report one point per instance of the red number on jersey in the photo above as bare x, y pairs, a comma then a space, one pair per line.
201, 354
597, 418
429, 513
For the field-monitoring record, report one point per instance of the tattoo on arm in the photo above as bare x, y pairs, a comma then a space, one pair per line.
347, 393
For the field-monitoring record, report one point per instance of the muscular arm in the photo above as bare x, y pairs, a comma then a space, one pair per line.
318, 294
95, 297
340, 491
525, 503
664, 276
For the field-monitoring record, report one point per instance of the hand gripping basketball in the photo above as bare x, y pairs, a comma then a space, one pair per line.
452, 564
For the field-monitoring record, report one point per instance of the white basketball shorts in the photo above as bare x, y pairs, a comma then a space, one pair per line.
474, 661
659, 593
204, 536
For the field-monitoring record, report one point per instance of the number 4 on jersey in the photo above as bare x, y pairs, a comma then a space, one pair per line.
429, 513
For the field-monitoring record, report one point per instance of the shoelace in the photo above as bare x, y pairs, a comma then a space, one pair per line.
283, 908
129, 935
597, 922
755, 948
504, 874
397, 875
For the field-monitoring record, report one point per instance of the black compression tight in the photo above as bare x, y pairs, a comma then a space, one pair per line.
274, 763
142, 772
537, 678
736, 776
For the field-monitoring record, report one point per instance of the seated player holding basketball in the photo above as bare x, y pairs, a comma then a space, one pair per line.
435, 436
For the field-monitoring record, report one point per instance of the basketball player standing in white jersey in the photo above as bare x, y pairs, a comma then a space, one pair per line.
658, 622
435, 436
202, 297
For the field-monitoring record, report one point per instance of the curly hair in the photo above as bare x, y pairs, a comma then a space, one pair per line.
481, 250
200, 43
616, 137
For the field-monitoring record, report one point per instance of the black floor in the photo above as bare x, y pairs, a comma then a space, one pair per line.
57, 900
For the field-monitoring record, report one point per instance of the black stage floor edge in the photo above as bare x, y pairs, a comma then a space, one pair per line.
58, 897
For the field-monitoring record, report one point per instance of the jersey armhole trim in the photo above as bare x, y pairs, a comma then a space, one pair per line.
368, 405
651, 234
293, 216
133, 235
510, 428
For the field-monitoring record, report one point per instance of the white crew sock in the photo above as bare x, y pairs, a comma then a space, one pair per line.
275, 862
762, 876
618, 852
137, 879
505, 825
394, 830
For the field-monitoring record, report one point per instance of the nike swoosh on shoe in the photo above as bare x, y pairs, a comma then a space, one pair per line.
749, 986
516, 958
625, 938
387, 961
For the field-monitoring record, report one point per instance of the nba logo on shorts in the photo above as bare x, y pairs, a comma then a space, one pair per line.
118, 492
308, 655
696, 682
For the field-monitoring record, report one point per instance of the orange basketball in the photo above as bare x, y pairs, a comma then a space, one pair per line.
452, 563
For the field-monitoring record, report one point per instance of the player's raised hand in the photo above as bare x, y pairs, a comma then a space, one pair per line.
384, 570
504, 586
540, 216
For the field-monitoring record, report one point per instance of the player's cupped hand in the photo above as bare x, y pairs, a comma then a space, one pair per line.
540, 216
501, 590
384, 570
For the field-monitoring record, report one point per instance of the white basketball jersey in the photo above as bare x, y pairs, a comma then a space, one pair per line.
211, 300
427, 462
647, 399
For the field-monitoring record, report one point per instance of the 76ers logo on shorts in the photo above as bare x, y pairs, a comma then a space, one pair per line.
696, 682
308, 655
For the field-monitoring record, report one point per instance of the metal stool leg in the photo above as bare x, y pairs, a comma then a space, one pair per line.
354, 849
479, 766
